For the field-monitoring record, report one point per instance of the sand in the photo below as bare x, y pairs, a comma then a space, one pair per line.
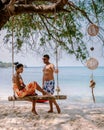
73, 116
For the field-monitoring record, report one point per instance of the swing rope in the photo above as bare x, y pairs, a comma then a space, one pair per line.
56, 49
13, 56
10, 9
57, 78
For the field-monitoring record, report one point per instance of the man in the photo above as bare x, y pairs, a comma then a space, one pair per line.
48, 81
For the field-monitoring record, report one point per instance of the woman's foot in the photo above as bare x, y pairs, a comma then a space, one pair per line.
45, 93
33, 111
50, 111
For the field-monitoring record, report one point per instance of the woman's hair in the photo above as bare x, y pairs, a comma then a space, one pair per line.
17, 65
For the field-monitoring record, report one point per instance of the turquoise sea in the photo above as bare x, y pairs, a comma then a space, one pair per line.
73, 82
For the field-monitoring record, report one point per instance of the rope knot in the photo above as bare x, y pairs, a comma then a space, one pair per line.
92, 83
58, 90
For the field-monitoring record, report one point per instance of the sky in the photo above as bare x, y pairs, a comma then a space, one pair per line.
33, 60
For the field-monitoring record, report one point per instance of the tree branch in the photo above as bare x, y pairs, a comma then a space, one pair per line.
71, 4
15, 9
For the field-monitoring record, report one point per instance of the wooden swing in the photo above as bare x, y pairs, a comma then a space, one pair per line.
39, 98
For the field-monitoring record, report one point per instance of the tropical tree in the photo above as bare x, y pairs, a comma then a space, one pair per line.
42, 24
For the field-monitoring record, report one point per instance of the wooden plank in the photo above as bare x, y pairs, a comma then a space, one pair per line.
39, 97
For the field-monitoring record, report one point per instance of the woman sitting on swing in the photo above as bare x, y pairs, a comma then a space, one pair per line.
23, 90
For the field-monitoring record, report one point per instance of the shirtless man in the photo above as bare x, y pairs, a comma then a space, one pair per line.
48, 81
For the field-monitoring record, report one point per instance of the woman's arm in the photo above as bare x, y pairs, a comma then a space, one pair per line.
17, 79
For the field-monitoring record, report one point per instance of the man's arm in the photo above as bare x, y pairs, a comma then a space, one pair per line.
55, 70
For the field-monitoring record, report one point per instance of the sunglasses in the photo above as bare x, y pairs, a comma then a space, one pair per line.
44, 59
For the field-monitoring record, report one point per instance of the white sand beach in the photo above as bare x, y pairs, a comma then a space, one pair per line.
72, 117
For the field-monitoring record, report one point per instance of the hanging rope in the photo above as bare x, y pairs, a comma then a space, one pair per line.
10, 9
56, 51
13, 46
57, 76
13, 55
92, 63
92, 82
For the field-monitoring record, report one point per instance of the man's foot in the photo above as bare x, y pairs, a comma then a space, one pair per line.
58, 109
50, 111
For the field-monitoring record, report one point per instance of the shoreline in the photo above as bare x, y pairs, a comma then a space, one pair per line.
74, 116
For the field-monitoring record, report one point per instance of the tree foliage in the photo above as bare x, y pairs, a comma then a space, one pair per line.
41, 25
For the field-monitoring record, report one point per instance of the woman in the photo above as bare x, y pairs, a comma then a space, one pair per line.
23, 90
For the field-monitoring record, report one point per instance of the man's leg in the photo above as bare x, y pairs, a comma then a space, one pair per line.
57, 106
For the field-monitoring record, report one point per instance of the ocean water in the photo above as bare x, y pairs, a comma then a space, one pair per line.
73, 82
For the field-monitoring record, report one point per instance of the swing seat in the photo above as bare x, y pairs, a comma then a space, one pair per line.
38, 97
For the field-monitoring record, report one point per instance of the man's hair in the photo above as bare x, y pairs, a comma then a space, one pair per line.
46, 55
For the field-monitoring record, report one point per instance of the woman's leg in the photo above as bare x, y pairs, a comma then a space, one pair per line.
51, 106
40, 89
